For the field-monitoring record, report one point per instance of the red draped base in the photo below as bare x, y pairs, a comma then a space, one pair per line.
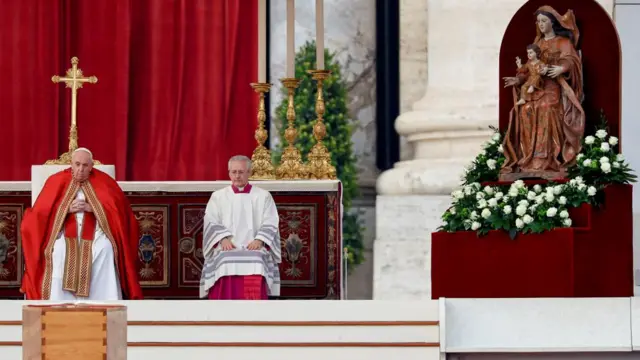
251, 287
594, 258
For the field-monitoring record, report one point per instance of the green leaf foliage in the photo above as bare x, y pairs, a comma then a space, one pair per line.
338, 140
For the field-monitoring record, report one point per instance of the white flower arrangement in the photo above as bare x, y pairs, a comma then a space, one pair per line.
520, 209
516, 208
599, 164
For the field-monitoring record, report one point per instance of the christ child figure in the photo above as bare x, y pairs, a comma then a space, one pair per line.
533, 70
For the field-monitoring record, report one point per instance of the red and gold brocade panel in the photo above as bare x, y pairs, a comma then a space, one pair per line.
301, 227
153, 244
169, 249
10, 244
298, 234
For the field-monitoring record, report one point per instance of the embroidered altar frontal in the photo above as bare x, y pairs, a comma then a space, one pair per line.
170, 216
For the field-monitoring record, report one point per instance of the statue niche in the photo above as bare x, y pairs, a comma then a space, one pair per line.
548, 112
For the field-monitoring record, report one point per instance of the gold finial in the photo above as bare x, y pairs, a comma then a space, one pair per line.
320, 167
73, 79
261, 159
291, 166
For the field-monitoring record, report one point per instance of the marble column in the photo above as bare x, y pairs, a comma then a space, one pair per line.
445, 128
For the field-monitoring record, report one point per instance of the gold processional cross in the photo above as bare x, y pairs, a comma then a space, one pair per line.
74, 80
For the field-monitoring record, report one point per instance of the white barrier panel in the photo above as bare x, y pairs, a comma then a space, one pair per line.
266, 330
540, 325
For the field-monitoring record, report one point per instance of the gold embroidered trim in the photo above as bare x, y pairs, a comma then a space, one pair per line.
86, 264
58, 222
70, 278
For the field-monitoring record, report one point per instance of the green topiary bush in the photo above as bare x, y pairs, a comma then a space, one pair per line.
338, 139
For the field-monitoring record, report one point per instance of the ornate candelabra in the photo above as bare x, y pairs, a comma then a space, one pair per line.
320, 167
261, 159
291, 166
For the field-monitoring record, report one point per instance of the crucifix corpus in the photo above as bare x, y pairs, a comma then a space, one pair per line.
73, 79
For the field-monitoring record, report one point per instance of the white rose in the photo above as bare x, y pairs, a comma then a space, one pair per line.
533, 208
467, 190
479, 195
476, 186
562, 200
519, 184
452, 210
604, 159
616, 164
513, 192
557, 190
491, 164
582, 186
507, 209
620, 157
458, 194
605, 167
475, 226
591, 191
521, 210
505, 199
601, 134
474, 215
537, 188
564, 214
519, 223
589, 140
579, 156
486, 213
613, 141
500, 149
482, 203
586, 162
523, 202
549, 197
605, 146
496, 137
551, 212
483, 152
540, 199
499, 195
488, 190
567, 222
579, 179
527, 219
531, 195
444, 223
492, 202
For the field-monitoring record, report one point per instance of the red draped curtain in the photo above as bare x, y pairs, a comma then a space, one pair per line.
172, 102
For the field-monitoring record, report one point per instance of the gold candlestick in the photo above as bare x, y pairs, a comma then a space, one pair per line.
291, 166
320, 167
262, 168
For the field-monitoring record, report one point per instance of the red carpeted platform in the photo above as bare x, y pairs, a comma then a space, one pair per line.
592, 259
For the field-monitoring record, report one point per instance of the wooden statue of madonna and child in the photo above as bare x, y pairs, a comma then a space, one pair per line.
547, 117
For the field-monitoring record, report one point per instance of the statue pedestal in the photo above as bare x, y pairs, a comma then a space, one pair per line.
40, 174
74, 331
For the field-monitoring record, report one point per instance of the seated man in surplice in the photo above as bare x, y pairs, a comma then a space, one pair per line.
241, 241
80, 238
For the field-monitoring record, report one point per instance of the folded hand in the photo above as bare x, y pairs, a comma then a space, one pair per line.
79, 205
255, 245
226, 245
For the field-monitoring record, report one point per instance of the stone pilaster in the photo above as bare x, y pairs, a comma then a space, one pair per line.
445, 128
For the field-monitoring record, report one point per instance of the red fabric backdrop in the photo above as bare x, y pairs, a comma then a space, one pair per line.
172, 101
